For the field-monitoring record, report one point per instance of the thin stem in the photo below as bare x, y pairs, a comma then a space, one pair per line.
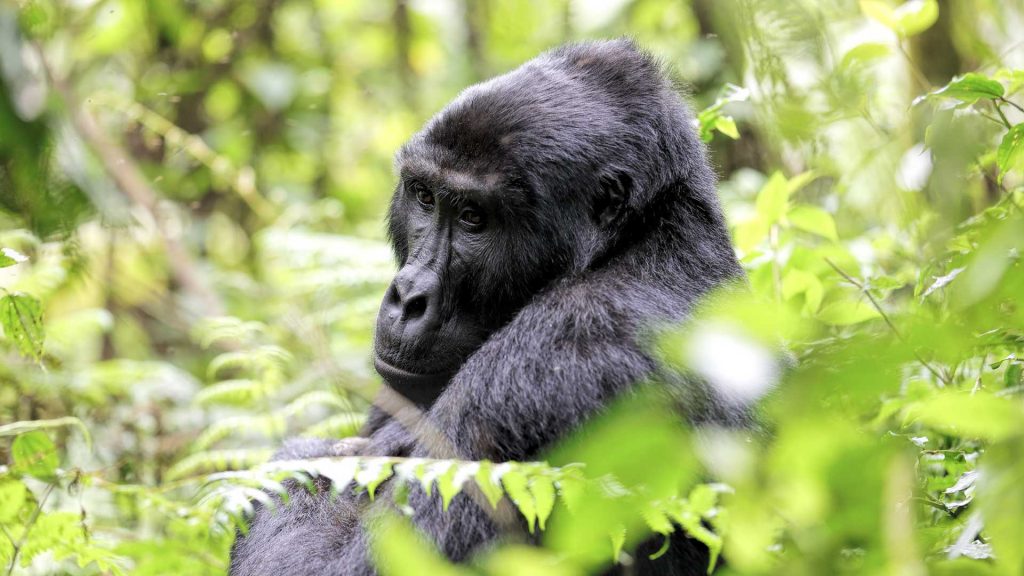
887, 320
28, 528
914, 70
1011, 103
992, 118
131, 181
1003, 116
773, 238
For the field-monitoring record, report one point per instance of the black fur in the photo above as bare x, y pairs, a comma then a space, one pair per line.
606, 224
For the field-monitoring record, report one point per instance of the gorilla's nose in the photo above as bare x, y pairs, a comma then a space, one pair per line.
412, 301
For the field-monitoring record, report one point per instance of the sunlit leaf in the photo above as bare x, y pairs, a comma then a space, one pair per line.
847, 312
773, 197
517, 487
978, 415
968, 88
21, 316
522, 560
13, 495
916, 16
488, 483
864, 53
398, 550
726, 125
908, 19
542, 488
372, 472
814, 220
35, 454
10, 257
1011, 151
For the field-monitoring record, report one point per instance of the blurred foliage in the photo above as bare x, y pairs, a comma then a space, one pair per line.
191, 256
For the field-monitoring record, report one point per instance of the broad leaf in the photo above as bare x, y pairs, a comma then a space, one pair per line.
21, 316
847, 312
13, 495
1011, 151
10, 257
35, 454
968, 88
516, 486
814, 220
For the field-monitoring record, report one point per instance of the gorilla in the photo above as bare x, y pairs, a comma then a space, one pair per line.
543, 222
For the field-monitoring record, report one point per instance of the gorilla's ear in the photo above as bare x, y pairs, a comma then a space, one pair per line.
611, 205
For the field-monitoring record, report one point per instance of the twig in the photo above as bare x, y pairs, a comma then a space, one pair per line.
242, 179
1011, 103
1002, 116
120, 166
914, 70
887, 320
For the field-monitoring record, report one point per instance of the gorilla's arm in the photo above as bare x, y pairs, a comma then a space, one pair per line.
530, 385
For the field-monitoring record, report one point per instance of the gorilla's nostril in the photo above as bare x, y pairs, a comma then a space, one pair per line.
415, 307
392, 296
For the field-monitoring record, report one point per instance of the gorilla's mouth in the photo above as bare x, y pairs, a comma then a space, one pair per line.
421, 389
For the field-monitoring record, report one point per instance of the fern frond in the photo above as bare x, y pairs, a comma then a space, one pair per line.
227, 328
316, 397
258, 361
217, 461
266, 425
236, 392
340, 425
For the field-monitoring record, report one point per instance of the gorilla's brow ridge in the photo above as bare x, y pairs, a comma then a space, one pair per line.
451, 183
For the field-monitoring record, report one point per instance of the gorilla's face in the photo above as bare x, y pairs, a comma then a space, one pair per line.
515, 184
471, 252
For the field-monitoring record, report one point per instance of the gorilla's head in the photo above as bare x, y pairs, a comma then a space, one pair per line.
540, 174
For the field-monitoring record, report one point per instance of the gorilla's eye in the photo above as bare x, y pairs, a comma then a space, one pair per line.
425, 197
472, 217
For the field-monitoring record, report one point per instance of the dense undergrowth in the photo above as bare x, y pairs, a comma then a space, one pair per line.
192, 258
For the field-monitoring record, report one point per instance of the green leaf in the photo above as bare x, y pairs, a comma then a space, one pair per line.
879, 11
10, 257
747, 235
488, 483
13, 495
450, 483
21, 316
543, 489
847, 312
968, 88
908, 19
1011, 151
571, 487
800, 282
772, 199
516, 486
34, 454
726, 125
863, 53
372, 473
525, 560
398, 550
977, 415
656, 520
814, 220
702, 499
915, 16
618, 537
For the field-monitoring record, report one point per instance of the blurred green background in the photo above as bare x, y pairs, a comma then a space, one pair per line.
191, 224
